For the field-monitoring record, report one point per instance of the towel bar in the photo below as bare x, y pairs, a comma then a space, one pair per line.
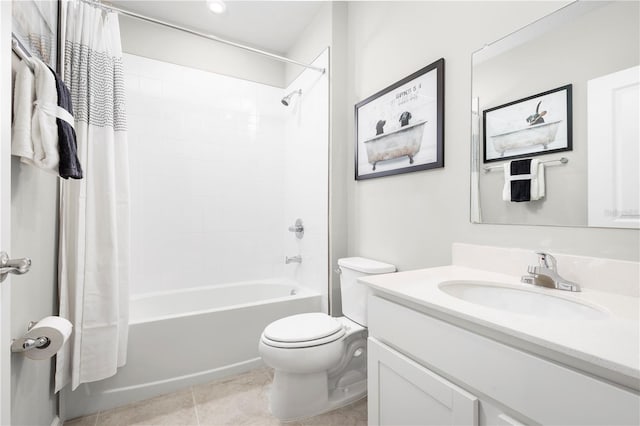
563, 160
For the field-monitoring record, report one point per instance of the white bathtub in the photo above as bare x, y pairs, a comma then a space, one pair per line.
181, 338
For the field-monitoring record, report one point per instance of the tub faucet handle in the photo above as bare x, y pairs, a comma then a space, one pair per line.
293, 259
297, 228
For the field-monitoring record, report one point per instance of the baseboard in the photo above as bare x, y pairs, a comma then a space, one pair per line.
56, 421
85, 401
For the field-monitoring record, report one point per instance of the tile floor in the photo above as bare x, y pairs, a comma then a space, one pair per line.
240, 400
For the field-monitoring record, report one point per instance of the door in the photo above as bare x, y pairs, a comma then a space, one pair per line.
5, 206
403, 392
614, 149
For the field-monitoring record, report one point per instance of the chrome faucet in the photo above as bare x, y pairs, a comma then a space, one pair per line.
546, 274
298, 229
293, 259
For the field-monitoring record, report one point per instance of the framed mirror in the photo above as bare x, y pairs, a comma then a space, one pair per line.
555, 133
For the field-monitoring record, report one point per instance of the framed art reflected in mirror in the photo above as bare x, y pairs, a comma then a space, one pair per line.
535, 125
595, 181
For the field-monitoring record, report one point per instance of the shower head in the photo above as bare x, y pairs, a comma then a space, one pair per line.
285, 101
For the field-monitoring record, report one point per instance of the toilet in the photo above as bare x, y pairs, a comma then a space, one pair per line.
320, 361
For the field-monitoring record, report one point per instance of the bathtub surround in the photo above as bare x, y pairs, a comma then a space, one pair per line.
248, 168
216, 145
306, 167
94, 218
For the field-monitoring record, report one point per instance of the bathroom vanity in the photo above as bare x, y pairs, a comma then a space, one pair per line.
468, 346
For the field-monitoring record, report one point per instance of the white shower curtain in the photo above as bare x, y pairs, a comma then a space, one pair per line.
94, 215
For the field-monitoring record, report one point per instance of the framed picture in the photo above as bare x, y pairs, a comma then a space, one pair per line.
400, 129
536, 125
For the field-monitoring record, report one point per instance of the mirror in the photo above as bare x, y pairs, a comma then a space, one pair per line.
562, 94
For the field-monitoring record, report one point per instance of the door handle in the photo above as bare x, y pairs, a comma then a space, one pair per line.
13, 266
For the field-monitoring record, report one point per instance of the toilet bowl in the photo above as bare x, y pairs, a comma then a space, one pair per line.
319, 361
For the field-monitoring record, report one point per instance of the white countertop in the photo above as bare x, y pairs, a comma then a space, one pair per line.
611, 345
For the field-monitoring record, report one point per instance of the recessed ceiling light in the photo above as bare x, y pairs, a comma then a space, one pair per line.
216, 6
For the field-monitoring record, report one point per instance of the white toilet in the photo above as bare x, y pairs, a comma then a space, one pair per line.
320, 361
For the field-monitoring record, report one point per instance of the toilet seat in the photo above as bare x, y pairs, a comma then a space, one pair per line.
303, 330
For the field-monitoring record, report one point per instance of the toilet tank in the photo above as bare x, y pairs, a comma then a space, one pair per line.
354, 294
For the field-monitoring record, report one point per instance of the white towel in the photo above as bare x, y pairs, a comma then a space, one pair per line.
35, 131
537, 180
23, 96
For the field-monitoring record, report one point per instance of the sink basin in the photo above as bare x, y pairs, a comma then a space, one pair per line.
523, 301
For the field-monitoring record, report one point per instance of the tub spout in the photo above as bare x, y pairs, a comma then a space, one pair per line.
293, 259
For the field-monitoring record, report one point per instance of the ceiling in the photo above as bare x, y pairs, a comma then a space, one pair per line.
268, 25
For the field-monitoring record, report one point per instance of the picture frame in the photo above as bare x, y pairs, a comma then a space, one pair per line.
400, 129
536, 125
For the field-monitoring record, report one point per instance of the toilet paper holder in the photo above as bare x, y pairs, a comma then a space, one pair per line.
20, 345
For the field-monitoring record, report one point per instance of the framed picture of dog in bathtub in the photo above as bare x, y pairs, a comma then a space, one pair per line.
535, 125
400, 129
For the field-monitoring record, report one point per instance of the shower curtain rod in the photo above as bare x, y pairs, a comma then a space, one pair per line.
200, 34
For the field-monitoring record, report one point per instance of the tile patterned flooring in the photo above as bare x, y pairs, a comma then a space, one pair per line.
239, 400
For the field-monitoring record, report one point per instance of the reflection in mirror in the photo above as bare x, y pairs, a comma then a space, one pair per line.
555, 134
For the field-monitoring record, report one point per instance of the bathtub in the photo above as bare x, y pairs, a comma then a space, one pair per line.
182, 338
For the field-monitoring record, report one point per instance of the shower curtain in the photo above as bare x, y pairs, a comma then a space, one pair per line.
94, 211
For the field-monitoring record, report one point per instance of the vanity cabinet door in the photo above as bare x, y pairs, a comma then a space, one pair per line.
402, 392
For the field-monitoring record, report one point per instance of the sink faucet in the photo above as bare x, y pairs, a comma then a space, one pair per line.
546, 274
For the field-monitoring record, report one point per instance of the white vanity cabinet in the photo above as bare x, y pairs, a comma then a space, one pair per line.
426, 371
403, 392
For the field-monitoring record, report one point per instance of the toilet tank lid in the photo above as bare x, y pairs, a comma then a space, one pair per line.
368, 266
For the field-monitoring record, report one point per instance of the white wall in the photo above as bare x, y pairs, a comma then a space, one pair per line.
207, 159
411, 220
165, 44
313, 40
34, 211
34, 234
329, 28
305, 178
5, 208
